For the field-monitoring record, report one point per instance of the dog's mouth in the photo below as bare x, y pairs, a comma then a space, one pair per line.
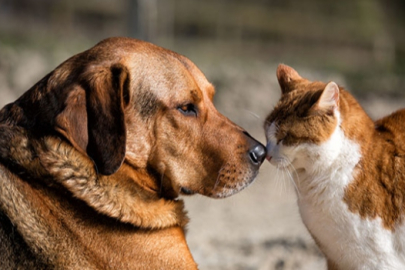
223, 187
234, 187
228, 180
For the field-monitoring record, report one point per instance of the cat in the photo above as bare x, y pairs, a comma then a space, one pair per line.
349, 171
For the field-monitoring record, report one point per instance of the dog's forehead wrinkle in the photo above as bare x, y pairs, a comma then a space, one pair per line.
162, 82
172, 78
197, 75
147, 103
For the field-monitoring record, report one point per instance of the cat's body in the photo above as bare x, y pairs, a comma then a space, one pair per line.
349, 172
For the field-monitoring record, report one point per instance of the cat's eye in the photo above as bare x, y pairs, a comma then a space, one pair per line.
188, 110
282, 139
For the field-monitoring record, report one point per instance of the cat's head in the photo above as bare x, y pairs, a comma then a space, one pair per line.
304, 118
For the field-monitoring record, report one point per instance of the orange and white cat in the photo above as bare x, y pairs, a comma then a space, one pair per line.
349, 171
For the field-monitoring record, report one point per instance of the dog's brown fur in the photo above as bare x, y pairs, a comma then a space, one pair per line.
93, 157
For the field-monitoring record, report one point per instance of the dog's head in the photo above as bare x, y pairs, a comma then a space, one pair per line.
129, 101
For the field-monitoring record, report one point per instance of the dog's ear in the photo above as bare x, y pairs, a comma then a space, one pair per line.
93, 118
106, 100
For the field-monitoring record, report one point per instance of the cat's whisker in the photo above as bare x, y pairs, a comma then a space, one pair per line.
288, 167
282, 178
295, 173
287, 175
253, 114
267, 122
295, 185
277, 178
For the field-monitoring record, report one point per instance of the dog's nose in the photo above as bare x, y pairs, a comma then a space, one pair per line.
257, 151
257, 154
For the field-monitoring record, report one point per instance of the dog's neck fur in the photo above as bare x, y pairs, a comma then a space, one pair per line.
121, 195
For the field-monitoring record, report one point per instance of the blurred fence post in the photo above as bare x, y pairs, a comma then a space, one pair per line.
167, 14
143, 15
134, 24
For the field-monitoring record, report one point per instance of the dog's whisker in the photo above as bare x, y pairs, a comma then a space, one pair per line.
219, 174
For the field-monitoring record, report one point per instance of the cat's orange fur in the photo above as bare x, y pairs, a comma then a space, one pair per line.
379, 188
361, 201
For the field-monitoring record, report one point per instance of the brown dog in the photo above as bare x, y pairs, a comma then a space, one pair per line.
93, 157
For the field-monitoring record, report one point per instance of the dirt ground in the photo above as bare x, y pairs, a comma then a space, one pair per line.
259, 228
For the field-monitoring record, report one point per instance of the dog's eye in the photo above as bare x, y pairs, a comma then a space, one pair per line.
188, 110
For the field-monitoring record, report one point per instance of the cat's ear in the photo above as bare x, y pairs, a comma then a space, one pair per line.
329, 99
286, 77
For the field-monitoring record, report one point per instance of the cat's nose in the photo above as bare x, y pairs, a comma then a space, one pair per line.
268, 148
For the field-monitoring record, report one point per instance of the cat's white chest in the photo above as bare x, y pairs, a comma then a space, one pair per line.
352, 242
344, 237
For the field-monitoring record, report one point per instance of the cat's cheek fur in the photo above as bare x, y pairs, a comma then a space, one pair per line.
329, 166
291, 153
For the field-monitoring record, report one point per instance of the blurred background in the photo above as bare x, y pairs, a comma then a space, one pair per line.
238, 44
